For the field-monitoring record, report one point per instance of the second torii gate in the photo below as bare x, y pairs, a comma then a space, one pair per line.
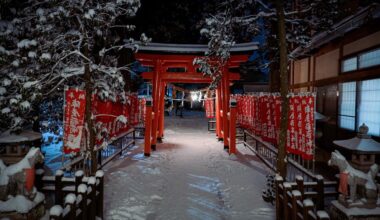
161, 59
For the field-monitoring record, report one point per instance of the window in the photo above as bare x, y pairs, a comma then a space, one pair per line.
369, 105
368, 59
361, 61
347, 105
350, 64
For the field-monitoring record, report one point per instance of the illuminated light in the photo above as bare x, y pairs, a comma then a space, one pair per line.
194, 96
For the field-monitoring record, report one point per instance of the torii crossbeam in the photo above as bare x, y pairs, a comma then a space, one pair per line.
161, 59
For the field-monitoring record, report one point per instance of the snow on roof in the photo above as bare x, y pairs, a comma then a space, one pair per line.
25, 136
360, 145
339, 29
194, 48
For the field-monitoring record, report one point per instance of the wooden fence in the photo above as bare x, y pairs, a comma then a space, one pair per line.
78, 197
105, 154
268, 154
302, 200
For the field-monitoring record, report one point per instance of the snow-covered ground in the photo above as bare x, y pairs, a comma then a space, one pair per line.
52, 149
190, 176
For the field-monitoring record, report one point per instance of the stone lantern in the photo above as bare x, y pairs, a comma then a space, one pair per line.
14, 146
362, 147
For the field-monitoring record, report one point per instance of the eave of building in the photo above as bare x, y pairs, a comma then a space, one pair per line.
343, 27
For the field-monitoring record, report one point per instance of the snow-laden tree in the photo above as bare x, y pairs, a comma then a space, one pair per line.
289, 24
50, 44
219, 31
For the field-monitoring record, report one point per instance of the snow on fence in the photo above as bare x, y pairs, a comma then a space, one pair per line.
268, 154
79, 197
106, 153
303, 200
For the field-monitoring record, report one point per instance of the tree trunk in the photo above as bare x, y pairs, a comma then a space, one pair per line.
90, 142
284, 89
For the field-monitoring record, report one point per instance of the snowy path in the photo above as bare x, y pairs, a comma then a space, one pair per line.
190, 176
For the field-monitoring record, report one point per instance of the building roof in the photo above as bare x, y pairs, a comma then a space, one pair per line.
340, 29
193, 48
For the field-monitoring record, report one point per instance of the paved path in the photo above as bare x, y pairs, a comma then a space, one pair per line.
190, 176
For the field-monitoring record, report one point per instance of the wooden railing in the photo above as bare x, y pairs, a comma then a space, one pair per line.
105, 154
303, 200
79, 197
268, 154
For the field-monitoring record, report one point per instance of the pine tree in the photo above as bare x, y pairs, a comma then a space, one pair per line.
52, 44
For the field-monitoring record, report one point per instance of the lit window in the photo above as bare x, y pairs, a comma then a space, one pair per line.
350, 64
369, 105
347, 107
368, 59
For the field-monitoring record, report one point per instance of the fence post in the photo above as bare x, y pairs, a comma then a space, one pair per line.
296, 196
70, 200
38, 182
287, 188
82, 190
232, 133
78, 178
58, 187
134, 136
100, 188
148, 128
307, 206
278, 181
55, 212
300, 185
92, 196
320, 192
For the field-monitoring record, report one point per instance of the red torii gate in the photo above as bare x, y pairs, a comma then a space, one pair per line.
160, 64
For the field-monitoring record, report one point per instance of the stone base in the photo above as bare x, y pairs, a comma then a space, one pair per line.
339, 212
360, 203
35, 213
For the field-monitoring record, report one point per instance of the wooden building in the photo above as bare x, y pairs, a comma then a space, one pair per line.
343, 67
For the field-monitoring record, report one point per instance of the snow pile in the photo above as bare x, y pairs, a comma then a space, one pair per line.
29, 84
26, 43
70, 198
56, 210
99, 173
45, 56
32, 54
79, 173
91, 180
59, 173
2, 90
122, 119
20, 203
82, 188
5, 110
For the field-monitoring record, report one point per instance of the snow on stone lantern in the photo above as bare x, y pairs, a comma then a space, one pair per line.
14, 146
362, 147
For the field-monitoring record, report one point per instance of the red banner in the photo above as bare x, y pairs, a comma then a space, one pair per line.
261, 115
209, 108
75, 104
111, 118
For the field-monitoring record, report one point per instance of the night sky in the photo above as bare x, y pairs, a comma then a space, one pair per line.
170, 21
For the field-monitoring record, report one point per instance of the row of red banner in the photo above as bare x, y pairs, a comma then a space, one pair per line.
261, 114
111, 118
209, 104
